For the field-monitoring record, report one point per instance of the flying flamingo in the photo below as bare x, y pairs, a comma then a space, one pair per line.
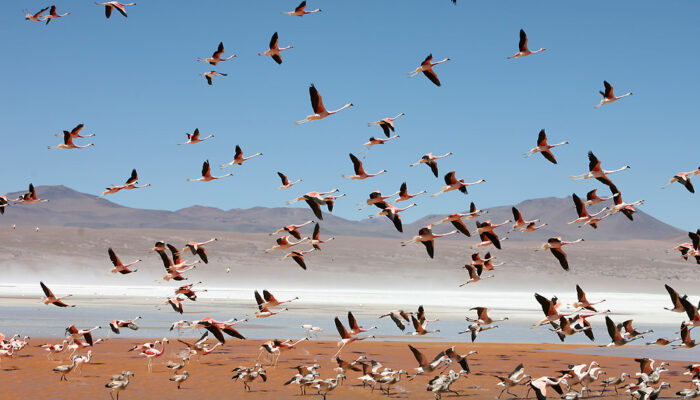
218, 328
121, 7
595, 171
487, 235
483, 317
35, 17
620, 206
298, 256
152, 353
686, 341
544, 148
583, 215
286, 184
198, 249
216, 58
614, 332
238, 159
292, 230
429, 160
284, 243
427, 237
676, 300
118, 266
518, 219
274, 51
264, 312
206, 174
550, 309
3, 203
356, 329
329, 201
426, 67
387, 125
193, 138
372, 141
53, 15
315, 241
270, 300
592, 198
115, 324
456, 219
392, 212
376, 198
314, 200
131, 183
345, 337
684, 179
278, 346
532, 227
300, 10
488, 263
68, 143
423, 364
583, 302
188, 291
30, 197
475, 272
555, 246
320, 111
210, 76
609, 96
360, 171
454, 184
403, 193
75, 132
75, 333
52, 299
522, 47
477, 328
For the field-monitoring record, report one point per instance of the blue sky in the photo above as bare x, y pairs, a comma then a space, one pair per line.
134, 83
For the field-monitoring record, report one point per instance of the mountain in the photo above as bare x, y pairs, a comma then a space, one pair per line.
70, 208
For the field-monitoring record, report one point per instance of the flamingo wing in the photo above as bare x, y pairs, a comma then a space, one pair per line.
418, 355
561, 256
277, 58
522, 44
612, 329
219, 51
545, 303
206, 169
341, 329
203, 255
494, 239
133, 178
216, 331
357, 165
283, 177
108, 10
593, 162
429, 247
233, 333
608, 90
299, 259
269, 297
433, 167
121, 9
386, 128
516, 214
317, 231
316, 100
461, 227
549, 156
581, 295
450, 178
259, 300
432, 76
300, 7
542, 138
46, 290
352, 322
274, 40
316, 208
113, 256
580, 208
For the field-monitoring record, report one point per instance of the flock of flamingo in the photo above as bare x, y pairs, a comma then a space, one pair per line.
371, 373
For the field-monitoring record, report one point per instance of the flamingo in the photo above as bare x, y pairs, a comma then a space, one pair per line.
115, 324
181, 377
176, 302
121, 7
662, 342
555, 246
175, 367
614, 332
152, 353
487, 235
429, 160
270, 300
392, 212
583, 215
248, 375
218, 328
609, 96
595, 171
68, 143
403, 193
518, 219
387, 125
539, 386
174, 271
314, 200
544, 148
423, 364
427, 237
210, 76
52, 299
474, 274
198, 249
676, 300
188, 291
30, 197
53, 15
80, 360
216, 58
3, 203
691, 311
620, 206
286, 184
453, 184
483, 318
75, 333
614, 381
119, 384
372, 141
550, 309
206, 174
284, 243
345, 337
477, 328
592, 198
128, 185
531, 227
264, 312
37, 16
312, 329
376, 198
193, 138
75, 132
238, 159
513, 379
583, 302
399, 317
63, 370
300, 10
522, 48
52, 349
320, 111
359, 170
567, 327
356, 329
426, 67
684, 179
275, 50
278, 346
315, 241
292, 230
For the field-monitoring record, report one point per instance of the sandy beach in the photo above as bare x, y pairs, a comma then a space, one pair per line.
30, 376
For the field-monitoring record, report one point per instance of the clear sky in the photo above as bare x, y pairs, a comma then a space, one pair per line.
134, 83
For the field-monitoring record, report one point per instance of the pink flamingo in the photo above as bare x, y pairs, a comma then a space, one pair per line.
35, 17
376, 198
684, 179
595, 171
620, 206
355, 328
54, 348
592, 198
216, 58
193, 138
270, 300
286, 184
387, 125
30, 197
359, 170
314, 200
522, 47
275, 50
52, 299
609, 96
75, 132
300, 10
118, 266
198, 249
544, 148
115, 324
555, 245
210, 76
427, 237
315, 238
454, 184
131, 183
345, 337
403, 193
429, 160
68, 143
121, 7
292, 230
426, 67
206, 174
320, 111
518, 219
298, 256
583, 215
152, 353
53, 15
392, 212
238, 158
284, 243
487, 235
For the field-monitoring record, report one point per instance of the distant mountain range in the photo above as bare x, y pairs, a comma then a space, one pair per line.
68, 207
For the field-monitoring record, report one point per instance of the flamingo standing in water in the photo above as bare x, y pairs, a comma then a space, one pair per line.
118, 266
523, 51
684, 179
595, 171
52, 299
609, 96
300, 11
453, 183
75, 132
53, 15
345, 337
620, 206
359, 170
286, 184
292, 230
555, 245
121, 7
275, 50
583, 215
429, 160
206, 174
387, 124
427, 237
392, 212
68, 143
426, 67
544, 148
198, 249
314, 200
216, 58
320, 111
210, 76
403, 193
37, 17
193, 138
238, 158
298, 256
152, 353
592, 198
